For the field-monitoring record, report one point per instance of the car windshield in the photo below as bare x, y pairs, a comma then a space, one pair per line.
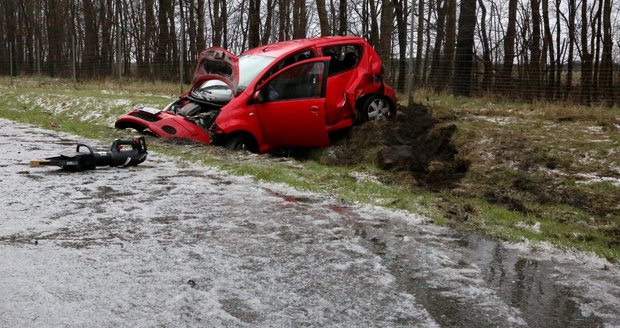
214, 85
250, 66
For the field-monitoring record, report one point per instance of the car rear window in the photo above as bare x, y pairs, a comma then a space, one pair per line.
343, 57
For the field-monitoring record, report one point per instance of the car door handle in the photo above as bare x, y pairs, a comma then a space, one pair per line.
315, 110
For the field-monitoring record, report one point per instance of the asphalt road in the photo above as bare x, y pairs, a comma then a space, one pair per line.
174, 244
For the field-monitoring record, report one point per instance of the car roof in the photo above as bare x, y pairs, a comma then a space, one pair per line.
284, 47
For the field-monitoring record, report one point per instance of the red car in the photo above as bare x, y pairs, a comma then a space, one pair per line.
291, 93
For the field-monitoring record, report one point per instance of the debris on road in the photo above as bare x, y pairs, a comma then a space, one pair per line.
81, 160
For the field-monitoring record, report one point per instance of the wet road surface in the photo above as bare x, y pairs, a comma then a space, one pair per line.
171, 244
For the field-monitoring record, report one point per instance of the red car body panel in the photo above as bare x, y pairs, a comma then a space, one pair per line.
312, 101
165, 123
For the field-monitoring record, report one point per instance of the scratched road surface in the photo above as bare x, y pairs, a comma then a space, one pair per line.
173, 244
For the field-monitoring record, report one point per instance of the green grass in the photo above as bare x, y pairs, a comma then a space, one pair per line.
58, 105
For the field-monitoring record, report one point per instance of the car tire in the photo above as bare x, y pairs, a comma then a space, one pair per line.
239, 142
375, 108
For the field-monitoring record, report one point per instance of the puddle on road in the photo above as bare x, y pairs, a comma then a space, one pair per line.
466, 280
531, 298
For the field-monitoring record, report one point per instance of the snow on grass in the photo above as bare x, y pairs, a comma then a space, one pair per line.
530, 227
590, 178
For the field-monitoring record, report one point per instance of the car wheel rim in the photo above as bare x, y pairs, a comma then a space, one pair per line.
378, 109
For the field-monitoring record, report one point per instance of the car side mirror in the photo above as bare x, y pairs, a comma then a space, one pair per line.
259, 97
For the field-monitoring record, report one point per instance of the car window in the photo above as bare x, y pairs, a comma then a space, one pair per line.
343, 57
300, 82
292, 59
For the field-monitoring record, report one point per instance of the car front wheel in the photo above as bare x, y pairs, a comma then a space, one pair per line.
375, 108
239, 142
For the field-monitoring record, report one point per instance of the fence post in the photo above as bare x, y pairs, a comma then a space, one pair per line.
73, 59
38, 62
11, 61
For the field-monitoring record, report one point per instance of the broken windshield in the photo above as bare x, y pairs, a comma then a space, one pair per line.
250, 66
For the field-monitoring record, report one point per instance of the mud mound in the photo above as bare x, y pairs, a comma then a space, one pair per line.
412, 146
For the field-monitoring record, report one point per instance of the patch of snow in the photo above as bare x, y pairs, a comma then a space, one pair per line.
361, 177
591, 178
499, 120
593, 129
531, 227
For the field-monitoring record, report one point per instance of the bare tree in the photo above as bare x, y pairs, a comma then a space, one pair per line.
436, 77
343, 20
509, 44
420, 41
400, 8
534, 67
548, 44
586, 57
606, 71
324, 22
254, 24
461, 85
486, 49
299, 19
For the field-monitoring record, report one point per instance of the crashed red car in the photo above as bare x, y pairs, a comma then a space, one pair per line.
291, 93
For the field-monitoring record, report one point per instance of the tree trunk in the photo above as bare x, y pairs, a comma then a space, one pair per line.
572, 15
91, 40
426, 68
586, 58
323, 21
254, 24
149, 38
283, 15
464, 49
447, 61
420, 41
401, 24
374, 26
387, 27
268, 21
486, 49
299, 19
436, 77
216, 23
163, 38
606, 71
535, 51
560, 50
342, 30
595, 46
509, 45
549, 44
200, 31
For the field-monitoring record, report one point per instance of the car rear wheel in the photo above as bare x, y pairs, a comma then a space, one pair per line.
375, 108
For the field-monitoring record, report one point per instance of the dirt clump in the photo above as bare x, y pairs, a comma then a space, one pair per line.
412, 146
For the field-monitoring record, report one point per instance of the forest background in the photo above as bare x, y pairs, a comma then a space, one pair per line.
564, 50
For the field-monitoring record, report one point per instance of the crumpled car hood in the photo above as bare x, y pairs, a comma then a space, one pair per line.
217, 63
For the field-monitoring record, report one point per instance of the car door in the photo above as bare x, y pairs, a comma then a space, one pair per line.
291, 105
342, 72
